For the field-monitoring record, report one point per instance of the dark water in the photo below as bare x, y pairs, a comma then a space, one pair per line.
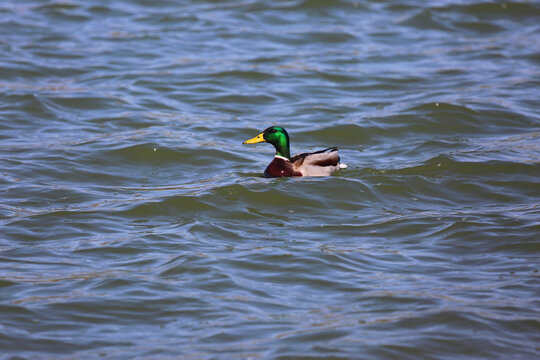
134, 223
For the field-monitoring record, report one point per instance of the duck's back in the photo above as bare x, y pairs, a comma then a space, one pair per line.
318, 163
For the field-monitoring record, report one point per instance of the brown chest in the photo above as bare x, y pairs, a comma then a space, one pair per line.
280, 168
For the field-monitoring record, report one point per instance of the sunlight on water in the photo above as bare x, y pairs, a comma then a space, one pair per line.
134, 223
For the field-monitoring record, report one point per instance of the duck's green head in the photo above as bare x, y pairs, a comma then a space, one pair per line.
275, 135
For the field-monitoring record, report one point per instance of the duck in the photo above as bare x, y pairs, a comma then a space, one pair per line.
319, 163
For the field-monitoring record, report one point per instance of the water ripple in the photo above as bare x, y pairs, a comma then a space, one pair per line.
131, 212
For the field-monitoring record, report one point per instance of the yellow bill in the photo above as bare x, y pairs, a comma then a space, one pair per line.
257, 139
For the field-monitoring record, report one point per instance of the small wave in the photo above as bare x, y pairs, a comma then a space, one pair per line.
484, 17
501, 174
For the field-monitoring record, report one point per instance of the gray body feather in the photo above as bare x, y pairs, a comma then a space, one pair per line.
319, 163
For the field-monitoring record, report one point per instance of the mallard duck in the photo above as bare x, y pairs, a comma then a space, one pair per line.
318, 163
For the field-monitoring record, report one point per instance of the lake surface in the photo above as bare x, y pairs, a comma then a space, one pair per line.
135, 224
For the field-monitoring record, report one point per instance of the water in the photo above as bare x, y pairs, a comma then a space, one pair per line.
135, 224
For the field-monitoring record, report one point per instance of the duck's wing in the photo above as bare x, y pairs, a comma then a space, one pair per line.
318, 163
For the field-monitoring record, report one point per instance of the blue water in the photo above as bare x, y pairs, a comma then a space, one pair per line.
135, 224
